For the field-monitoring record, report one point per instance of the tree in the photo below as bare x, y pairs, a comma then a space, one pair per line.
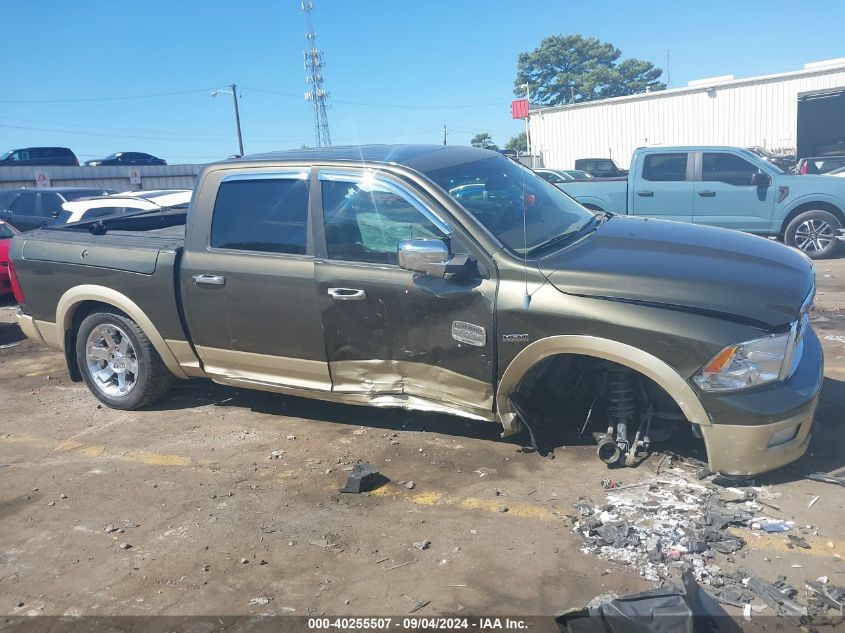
573, 69
518, 143
484, 141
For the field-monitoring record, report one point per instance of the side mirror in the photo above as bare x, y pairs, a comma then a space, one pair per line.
760, 179
419, 255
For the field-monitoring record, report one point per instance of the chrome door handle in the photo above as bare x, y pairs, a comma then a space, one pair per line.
347, 294
209, 280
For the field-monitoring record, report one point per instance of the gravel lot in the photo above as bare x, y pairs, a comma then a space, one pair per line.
205, 520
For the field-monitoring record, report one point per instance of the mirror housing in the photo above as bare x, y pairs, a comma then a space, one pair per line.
760, 179
418, 255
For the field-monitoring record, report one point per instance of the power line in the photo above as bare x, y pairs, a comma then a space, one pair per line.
384, 105
124, 98
116, 129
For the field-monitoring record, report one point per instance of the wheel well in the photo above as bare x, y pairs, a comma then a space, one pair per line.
76, 315
563, 381
811, 206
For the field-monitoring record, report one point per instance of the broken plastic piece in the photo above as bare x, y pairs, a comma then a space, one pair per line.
364, 478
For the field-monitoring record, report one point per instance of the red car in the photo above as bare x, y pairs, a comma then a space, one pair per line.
7, 232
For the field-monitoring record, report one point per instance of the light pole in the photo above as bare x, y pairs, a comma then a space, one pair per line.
234, 93
527, 130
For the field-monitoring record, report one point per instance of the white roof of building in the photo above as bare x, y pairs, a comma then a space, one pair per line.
702, 85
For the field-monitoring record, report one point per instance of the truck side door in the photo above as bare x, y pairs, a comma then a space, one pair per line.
726, 197
390, 332
662, 186
247, 277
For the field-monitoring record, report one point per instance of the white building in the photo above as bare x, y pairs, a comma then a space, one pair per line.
801, 111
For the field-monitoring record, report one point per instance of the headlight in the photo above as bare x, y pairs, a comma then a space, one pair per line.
744, 365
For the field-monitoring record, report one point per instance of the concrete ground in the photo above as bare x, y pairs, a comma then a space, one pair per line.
205, 521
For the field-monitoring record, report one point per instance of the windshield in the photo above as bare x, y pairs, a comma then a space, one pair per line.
496, 190
6, 155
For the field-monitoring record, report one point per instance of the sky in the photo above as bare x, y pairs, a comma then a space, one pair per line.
101, 76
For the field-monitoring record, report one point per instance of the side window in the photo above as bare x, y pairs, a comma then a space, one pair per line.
550, 177
366, 223
266, 215
727, 168
50, 203
24, 205
665, 167
102, 212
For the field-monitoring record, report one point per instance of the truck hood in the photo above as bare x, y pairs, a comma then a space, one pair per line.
681, 266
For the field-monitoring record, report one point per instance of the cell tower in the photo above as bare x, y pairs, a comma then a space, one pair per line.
316, 95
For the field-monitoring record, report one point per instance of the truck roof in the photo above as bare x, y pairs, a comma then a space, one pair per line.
691, 148
419, 157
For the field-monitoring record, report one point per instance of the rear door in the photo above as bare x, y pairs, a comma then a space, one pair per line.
663, 186
390, 332
248, 283
725, 197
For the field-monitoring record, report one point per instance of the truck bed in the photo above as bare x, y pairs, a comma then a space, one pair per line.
135, 256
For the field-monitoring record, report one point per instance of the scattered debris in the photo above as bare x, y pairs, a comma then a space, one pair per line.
291, 437
503, 509
421, 545
108, 528
420, 605
275, 454
244, 561
364, 478
609, 484
410, 485
260, 601
322, 542
793, 541
410, 562
772, 525
813, 501
125, 546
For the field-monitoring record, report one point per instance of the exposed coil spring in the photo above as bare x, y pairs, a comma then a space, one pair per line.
621, 388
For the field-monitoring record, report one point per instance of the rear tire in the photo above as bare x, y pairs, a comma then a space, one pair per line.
813, 233
119, 363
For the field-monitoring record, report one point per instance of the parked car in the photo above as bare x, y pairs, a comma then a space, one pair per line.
819, 164
38, 156
600, 167
553, 176
354, 275
727, 187
785, 161
123, 203
28, 209
7, 232
126, 158
577, 174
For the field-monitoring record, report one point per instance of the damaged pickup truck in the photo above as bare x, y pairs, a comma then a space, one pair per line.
444, 279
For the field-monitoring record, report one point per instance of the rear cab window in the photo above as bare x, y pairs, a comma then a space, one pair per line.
266, 214
668, 167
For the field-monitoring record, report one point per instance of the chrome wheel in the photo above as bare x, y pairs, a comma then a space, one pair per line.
814, 235
111, 360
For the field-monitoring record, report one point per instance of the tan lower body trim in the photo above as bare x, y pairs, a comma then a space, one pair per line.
50, 334
188, 361
745, 450
263, 368
429, 382
29, 328
398, 401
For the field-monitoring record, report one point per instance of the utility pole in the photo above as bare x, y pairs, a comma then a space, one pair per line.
234, 93
444, 133
317, 95
238, 119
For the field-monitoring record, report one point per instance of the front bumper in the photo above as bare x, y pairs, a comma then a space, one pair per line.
744, 423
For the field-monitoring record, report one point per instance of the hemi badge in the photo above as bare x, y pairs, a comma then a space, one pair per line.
469, 333
515, 338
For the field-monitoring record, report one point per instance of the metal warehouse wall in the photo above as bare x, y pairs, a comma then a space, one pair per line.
107, 177
756, 111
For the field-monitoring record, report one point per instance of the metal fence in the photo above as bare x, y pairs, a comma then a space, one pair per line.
118, 178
